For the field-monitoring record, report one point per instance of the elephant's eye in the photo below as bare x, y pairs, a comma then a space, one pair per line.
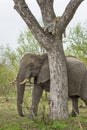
31, 65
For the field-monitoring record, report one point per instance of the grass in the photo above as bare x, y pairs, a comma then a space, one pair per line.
9, 119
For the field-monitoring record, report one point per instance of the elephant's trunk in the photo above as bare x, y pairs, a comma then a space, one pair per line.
20, 94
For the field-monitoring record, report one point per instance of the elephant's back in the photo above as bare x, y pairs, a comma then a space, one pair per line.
73, 59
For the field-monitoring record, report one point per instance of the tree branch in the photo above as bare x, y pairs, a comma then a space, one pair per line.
68, 14
26, 14
47, 10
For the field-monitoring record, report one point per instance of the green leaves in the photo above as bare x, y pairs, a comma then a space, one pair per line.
77, 41
8, 69
27, 43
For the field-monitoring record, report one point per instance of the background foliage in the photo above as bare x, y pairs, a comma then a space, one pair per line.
76, 41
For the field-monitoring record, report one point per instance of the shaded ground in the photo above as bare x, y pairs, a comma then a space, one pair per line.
9, 119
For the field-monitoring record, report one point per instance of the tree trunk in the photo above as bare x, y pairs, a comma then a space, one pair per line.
58, 82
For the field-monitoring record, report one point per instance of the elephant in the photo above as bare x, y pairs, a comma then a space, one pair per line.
36, 66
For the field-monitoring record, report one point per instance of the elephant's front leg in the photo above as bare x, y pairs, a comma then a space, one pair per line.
75, 110
20, 95
36, 95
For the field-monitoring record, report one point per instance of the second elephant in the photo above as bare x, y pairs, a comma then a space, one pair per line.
37, 66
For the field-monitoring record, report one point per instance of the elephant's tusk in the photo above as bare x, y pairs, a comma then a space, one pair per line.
23, 82
14, 81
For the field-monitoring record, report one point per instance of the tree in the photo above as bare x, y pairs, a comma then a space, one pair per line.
50, 37
77, 41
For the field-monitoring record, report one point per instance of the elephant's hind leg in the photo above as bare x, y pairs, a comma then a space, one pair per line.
83, 94
85, 100
75, 110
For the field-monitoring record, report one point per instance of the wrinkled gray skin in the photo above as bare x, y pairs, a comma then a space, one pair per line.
37, 66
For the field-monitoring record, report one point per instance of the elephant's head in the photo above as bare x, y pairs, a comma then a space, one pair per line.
31, 66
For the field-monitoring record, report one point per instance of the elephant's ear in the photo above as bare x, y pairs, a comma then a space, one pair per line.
44, 74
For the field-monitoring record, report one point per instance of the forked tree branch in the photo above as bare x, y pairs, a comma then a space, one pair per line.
48, 15
68, 14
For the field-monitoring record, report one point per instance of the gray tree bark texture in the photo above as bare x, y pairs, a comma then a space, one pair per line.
53, 44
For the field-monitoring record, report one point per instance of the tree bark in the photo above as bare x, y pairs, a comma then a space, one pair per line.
47, 10
54, 47
58, 82
68, 15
